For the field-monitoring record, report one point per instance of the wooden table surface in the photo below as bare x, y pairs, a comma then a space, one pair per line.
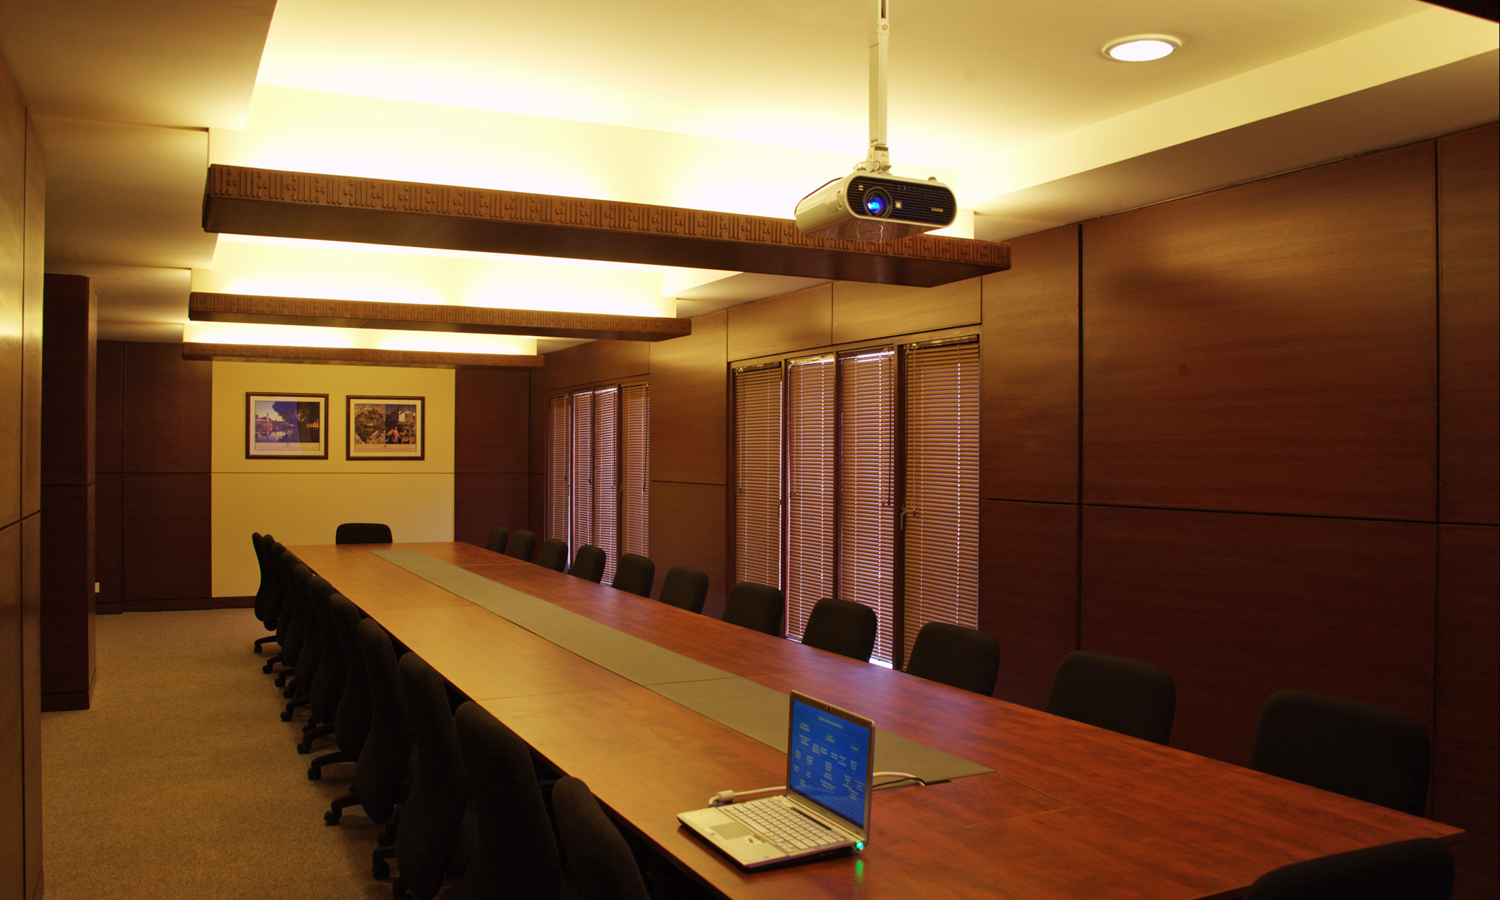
1071, 811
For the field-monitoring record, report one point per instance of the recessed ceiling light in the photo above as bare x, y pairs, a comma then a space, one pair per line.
1141, 48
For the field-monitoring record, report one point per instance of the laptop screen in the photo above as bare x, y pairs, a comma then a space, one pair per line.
827, 759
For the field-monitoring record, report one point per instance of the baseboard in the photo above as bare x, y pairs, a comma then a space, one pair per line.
189, 603
57, 702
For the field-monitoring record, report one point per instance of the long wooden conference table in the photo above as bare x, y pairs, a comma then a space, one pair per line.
1069, 811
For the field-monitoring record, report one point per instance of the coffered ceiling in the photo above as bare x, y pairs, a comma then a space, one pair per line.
733, 107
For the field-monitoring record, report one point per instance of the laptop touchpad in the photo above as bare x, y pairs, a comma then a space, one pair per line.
730, 830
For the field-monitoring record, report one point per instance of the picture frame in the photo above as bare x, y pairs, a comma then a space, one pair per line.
286, 426
385, 428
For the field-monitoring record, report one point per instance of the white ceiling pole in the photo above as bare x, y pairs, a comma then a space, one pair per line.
879, 158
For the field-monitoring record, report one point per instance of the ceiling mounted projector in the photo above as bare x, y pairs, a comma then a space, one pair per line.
871, 204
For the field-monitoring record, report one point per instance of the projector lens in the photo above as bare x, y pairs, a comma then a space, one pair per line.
877, 202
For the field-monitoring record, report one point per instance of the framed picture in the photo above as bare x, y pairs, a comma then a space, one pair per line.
286, 426
387, 428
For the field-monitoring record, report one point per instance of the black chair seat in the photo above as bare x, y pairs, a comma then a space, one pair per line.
553, 554
758, 607
635, 574
522, 545
362, 533
956, 656
1124, 695
685, 587
588, 563
497, 540
843, 627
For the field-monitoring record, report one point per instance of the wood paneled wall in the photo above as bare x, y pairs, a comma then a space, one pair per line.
1249, 435
152, 499
491, 481
22, 227
68, 492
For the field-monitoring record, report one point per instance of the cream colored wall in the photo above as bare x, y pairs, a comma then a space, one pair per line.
303, 501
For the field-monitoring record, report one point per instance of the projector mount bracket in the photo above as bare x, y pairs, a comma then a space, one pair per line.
878, 161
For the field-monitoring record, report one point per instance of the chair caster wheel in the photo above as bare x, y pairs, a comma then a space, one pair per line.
331, 817
286, 715
304, 748
268, 667
281, 680
314, 774
380, 869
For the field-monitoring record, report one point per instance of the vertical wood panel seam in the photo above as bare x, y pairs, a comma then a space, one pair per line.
1437, 450
1078, 452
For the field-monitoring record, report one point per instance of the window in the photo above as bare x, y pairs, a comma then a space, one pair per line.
879, 447
600, 470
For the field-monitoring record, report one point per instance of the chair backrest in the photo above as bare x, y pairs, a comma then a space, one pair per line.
635, 574
328, 681
1124, 695
362, 533
495, 543
1351, 748
685, 587
351, 723
515, 853
522, 545
843, 627
382, 761
553, 554
588, 563
263, 591
956, 656
434, 808
599, 863
1420, 869
758, 607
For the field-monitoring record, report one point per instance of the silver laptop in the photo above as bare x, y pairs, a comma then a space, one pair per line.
826, 807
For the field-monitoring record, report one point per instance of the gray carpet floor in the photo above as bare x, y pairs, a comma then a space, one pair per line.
181, 782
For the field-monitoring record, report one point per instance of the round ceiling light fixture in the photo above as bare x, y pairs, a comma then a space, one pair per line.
1142, 47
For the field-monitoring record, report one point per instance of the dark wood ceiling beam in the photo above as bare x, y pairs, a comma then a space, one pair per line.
242, 200
207, 307
356, 356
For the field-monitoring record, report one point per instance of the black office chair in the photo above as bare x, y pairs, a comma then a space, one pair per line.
278, 609
328, 681
264, 591
1351, 748
362, 533
758, 607
1124, 695
522, 545
495, 543
843, 627
635, 574
685, 587
515, 854
380, 773
310, 652
351, 723
956, 656
599, 862
588, 563
432, 816
1420, 869
553, 554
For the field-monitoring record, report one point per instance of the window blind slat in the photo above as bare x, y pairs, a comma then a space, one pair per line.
757, 405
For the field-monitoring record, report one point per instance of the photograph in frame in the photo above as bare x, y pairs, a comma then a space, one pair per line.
286, 426
386, 428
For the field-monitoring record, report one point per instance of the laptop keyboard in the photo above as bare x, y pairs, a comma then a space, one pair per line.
786, 827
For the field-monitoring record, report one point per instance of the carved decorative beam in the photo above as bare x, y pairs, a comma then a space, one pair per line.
206, 307
356, 356
241, 200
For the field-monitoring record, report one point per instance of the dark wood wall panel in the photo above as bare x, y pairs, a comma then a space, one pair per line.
689, 406
864, 311
68, 577
167, 409
537, 503
1248, 349
1236, 606
109, 537
12, 753
109, 407
1029, 376
490, 421
1028, 592
687, 527
567, 367
619, 360
69, 373
482, 501
782, 324
1466, 743
166, 536
34, 264
1468, 234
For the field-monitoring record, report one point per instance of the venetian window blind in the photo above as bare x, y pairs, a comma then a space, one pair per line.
757, 457
866, 524
810, 488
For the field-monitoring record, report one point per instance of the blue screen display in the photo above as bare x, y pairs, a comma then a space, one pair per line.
827, 760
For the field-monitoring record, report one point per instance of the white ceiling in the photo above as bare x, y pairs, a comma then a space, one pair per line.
727, 106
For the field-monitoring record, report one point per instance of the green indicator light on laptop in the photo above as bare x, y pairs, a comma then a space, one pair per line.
859, 845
